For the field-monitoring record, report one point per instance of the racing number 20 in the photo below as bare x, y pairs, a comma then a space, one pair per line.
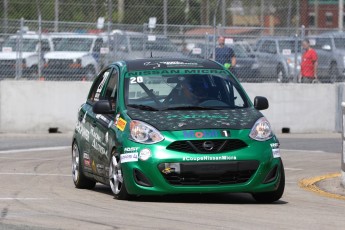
135, 80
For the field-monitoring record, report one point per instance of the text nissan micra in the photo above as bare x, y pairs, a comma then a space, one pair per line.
174, 126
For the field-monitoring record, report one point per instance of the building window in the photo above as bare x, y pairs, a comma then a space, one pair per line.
329, 18
311, 19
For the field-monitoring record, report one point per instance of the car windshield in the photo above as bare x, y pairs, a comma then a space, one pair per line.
240, 52
289, 45
339, 43
73, 44
28, 45
184, 92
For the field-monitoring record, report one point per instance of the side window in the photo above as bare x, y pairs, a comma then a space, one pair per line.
320, 42
98, 45
110, 92
96, 91
265, 47
45, 47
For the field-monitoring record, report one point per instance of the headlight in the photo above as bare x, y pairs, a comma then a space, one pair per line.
261, 130
144, 133
255, 66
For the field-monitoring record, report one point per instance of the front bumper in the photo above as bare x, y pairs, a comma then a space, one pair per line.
247, 169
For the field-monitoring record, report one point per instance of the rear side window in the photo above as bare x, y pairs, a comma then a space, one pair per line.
96, 89
320, 42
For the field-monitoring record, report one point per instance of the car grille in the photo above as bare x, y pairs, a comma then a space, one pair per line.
59, 63
198, 146
215, 173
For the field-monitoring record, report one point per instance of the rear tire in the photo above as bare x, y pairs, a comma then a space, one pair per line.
79, 179
270, 197
281, 74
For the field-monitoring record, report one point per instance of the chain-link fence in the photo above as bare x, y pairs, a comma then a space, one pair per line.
73, 40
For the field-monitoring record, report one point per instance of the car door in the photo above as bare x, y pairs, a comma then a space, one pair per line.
100, 129
323, 47
87, 117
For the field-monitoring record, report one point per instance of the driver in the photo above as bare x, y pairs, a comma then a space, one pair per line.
192, 90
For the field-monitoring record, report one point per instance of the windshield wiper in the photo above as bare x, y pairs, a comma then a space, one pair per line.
192, 107
142, 107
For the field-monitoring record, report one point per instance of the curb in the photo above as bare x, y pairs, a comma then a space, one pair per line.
309, 184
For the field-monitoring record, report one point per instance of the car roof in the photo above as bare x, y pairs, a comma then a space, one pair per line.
30, 36
279, 38
170, 63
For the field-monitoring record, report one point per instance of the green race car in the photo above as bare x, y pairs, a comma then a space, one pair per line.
173, 126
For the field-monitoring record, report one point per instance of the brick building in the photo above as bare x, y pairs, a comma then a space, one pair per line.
320, 13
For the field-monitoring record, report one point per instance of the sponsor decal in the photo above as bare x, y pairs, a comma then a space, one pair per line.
84, 118
94, 169
121, 124
275, 150
98, 147
100, 86
87, 161
145, 154
276, 153
95, 135
210, 158
116, 119
173, 71
100, 168
129, 157
106, 137
80, 128
201, 134
130, 149
103, 118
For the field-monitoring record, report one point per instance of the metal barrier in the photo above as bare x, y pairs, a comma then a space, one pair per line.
343, 152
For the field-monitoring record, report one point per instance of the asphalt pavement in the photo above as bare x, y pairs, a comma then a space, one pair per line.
37, 192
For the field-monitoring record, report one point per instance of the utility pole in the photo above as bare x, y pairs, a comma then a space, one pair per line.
56, 21
341, 15
121, 10
316, 9
223, 13
5, 16
165, 16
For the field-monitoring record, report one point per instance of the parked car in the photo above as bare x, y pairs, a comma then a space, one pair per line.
195, 132
131, 45
76, 56
330, 48
247, 67
19, 56
276, 57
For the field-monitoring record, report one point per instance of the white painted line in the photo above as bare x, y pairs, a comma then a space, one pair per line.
293, 169
298, 150
36, 174
35, 149
27, 198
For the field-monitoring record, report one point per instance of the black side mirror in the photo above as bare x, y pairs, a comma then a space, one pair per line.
260, 103
102, 107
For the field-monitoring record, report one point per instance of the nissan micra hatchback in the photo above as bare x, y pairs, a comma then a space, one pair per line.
173, 126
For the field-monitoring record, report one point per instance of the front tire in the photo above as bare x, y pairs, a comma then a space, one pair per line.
333, 73
116, 179
270, 197
79, 179
281, 74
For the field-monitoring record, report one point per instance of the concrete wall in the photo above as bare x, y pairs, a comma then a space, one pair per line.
35, 106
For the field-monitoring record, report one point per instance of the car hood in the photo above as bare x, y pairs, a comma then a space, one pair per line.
64, 55
175, 120
13, 55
